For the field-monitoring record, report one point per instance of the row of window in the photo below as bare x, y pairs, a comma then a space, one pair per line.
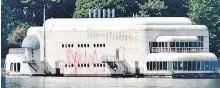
15, 67
182, 65
176, 44
82, 45
87, 65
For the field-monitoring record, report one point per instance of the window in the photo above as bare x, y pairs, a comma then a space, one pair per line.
198, 65
84, 45
151, 65
190, 44
180, 65
97, 65
159, 44
206, 65
72, 65
177, 44
87, 45
85, 65
65, 65
165, 44
81, 45
194, 44
186, 44
14, 67
157, 65
202, 65
181, 44
11, 67
100, 45
148, 66
189, 66
94, 45
193, 65
161, 66
18, 64
78, 65
81, 65
101, 65
62, 45
97, 45
103, 45
94, 65
104, 65
68, 45
162, 44
154, 65
185, 65
172, 44
72, 45
69, 65
164, 65
174, 65
170, 65
78, 45
154, 44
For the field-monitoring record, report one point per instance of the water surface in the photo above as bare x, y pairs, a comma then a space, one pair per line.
106, 82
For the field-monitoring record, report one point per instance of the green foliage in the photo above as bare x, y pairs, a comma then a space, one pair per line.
207, 12
152, 8
123, 7
17, 36
18, 15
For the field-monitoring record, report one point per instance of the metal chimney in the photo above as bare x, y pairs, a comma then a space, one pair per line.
94, 13
99, 13
113, 13
103, 13
109, 13
90, 13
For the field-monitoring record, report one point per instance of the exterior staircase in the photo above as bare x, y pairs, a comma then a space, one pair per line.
42, 65
45, 67
117, 65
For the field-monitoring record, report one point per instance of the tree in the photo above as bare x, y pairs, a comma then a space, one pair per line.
17, 36
152, 8
176, 8
123, 7
207, 12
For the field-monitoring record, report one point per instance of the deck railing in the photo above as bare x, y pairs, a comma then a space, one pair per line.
179, 49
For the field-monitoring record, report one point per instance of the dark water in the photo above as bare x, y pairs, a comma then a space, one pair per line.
105, 82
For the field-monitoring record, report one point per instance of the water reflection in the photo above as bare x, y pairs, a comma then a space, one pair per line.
106, 82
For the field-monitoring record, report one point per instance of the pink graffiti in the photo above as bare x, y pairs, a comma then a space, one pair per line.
77, 58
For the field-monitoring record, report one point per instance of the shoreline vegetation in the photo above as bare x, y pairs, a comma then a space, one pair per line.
19, 15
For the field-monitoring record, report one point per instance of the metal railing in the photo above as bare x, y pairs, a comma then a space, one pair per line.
179, 49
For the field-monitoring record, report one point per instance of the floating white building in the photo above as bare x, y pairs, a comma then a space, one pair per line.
113, 46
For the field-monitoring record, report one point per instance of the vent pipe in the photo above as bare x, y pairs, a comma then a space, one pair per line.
99, 13
109, 13
90, 13
113, 13
103, 13
94, 13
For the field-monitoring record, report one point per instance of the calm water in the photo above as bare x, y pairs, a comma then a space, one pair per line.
106, 82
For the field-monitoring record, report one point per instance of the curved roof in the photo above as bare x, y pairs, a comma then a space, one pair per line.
176, 38
129, 27
181, 57
117, 21
31, 41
